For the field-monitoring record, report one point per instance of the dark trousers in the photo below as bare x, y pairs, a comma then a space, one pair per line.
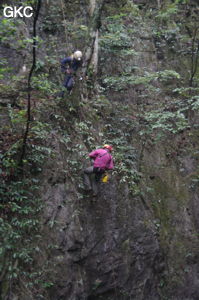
68, 82
91, 178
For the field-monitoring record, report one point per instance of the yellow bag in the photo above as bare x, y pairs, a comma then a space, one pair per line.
105, 178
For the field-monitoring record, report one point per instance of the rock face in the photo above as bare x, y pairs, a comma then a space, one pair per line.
105, 248
122, 247
138, 239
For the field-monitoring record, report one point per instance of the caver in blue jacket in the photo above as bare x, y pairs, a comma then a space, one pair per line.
70, 65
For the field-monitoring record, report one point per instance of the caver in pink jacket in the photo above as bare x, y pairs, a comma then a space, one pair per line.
102, 159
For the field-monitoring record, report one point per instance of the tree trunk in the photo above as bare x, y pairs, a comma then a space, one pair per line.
91, 55
94, 59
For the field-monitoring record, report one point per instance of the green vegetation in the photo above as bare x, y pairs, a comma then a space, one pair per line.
145, 94
20, 201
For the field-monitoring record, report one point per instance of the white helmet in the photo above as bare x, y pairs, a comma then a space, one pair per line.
77, 55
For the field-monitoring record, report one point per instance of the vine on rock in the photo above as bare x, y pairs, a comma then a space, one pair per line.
29, 83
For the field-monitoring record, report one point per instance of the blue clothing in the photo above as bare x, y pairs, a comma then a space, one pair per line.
68, 82
72, 63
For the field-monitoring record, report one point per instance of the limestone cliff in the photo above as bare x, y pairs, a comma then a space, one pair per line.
138, 239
